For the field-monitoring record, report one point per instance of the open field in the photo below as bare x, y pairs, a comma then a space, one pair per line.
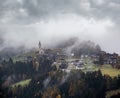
111, 72
108, 69
21, 83
105, 69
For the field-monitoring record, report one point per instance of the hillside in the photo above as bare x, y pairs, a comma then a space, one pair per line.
53, 73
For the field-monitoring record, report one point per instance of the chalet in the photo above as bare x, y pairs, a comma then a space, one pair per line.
107, 58
79, 65
111, 58
41, 51
63, 66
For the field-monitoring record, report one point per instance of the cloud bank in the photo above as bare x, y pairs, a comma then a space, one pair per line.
25, 22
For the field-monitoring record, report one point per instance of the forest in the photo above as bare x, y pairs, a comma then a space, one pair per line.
48, 82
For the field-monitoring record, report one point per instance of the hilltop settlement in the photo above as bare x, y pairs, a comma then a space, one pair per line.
68, 70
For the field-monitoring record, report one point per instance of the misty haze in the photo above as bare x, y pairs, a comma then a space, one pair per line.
59, 49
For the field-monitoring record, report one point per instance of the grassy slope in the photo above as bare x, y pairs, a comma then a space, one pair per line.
108, 69
21, 83
22, 57
105, 69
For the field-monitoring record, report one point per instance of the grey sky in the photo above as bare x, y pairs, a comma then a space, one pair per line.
25, 22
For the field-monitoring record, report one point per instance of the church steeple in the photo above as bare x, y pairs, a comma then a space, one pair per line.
41, 50
39, 45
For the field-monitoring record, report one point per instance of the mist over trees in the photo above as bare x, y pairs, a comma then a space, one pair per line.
71, 45
50, 82
86, 48
79, 47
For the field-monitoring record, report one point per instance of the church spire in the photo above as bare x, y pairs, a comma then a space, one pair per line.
39, 45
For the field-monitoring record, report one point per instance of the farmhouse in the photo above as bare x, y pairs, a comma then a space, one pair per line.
111, 58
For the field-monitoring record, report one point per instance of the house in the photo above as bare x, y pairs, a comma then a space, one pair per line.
79, 65
63, 66
107, 58
111, 58
41, 51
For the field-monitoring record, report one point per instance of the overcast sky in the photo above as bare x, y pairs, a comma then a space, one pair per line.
25, 22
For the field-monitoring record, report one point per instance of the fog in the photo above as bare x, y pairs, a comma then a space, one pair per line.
25, 23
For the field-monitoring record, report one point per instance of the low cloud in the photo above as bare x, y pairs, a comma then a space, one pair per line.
54, 31
25, 22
